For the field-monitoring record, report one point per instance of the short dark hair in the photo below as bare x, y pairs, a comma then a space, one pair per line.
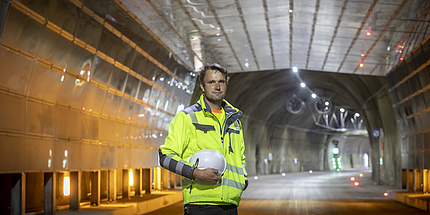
213, 66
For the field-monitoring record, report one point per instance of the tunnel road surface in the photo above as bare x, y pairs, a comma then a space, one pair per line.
314, 193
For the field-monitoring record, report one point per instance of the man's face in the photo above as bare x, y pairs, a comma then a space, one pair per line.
215, 86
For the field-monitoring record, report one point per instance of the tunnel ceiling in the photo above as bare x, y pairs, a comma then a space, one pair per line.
260, 41
264, 95
260, 35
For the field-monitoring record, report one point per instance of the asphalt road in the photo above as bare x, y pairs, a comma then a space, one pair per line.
314, 193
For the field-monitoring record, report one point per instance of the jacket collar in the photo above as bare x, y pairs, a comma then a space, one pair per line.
228, 108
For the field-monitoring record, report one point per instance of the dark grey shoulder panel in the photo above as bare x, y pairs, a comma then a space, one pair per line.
193, 108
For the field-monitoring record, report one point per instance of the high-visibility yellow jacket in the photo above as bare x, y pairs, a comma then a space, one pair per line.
196, 128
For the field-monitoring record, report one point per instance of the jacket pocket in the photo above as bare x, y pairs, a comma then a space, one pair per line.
204, 128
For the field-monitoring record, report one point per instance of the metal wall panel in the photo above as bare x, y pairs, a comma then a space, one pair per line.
17, 31
15, 74
68, 88
12, 121
410, 87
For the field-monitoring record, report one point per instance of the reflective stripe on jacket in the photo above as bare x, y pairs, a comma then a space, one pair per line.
196, 128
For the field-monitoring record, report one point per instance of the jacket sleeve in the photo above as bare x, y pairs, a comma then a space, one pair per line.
170, 154
243, 157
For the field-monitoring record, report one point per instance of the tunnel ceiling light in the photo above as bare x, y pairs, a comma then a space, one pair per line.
357, 114
303, 85
290, 11
342, 110
314, 95
295, 69
386, 194
361, 64
356, 183
352, 178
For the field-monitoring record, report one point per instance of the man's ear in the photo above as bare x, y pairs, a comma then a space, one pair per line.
201, 87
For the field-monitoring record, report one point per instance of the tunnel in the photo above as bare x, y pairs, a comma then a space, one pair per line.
88, 90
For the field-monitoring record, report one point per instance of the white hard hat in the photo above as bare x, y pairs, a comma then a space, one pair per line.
208, 158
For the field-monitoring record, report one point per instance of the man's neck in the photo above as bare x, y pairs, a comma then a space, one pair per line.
214, 105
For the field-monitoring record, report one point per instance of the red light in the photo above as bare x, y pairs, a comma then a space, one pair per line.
356, 183
360, 64
401, 58
385, 194
397, 51
352, 178
361, 175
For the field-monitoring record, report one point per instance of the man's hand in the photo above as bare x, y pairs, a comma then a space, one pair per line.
207, 175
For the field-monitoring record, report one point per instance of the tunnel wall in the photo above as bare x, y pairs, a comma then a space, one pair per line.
84, 86
409, 87
379, 114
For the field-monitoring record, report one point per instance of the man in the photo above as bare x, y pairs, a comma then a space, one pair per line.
211, 123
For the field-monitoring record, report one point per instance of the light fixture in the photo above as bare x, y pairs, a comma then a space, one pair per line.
295, 69
342, 110
66, 186
361, 64
336, 151
357, 114
130, 178
303, 85
314, 95
290, 11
